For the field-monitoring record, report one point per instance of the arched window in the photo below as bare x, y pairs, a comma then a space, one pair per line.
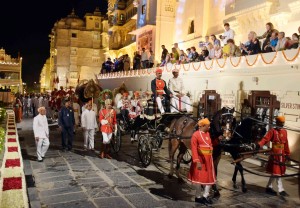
191, 27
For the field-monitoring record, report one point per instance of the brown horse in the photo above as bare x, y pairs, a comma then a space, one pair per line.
181, 130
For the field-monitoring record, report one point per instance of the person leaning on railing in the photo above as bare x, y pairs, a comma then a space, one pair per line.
232, 50
270, 47
254, 45
194, 56
267, 35
292, 43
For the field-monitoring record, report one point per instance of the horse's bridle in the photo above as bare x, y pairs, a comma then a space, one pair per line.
226, 122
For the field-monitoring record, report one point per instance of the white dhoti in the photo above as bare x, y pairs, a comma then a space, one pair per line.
159, 105
106, 137
41, 147
180, 104
89, 137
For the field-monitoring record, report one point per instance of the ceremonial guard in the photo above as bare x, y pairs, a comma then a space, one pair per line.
179, 101
60, 95
125, 107
66, 123
61, 92
280, 152
58, 102
202, 168
41, 133
89, 124
70, 92
159, 90
108, 121
53, 93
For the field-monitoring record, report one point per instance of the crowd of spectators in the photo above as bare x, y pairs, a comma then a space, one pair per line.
141, 60
211, 48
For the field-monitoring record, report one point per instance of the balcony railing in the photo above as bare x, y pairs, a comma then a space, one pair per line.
244, 64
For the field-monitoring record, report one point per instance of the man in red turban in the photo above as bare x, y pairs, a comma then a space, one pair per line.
280, 151
160, 90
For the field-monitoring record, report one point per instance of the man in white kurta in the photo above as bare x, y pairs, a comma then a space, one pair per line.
94, 108
41, 133
179, 101
89, 124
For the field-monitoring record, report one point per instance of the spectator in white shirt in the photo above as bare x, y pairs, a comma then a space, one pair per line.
281, 42
228, 34
89, 124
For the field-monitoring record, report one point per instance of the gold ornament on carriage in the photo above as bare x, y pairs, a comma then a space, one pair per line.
92, 90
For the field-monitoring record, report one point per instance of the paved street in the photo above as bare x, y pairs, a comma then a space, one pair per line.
81, 179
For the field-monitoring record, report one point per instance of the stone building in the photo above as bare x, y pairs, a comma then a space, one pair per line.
76, 49
45, 82
10, 72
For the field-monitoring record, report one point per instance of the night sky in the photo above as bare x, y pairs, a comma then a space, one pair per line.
25, 26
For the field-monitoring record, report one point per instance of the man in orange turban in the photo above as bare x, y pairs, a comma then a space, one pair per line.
160, 90
280, 151
202, 172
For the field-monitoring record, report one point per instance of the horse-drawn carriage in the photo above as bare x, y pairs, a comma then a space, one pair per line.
89, 90
150, 129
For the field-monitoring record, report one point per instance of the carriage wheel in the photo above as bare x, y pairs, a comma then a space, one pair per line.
116, 141
187, 157
145, 150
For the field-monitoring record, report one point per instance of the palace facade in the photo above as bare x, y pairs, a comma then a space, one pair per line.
76, 50
10, 72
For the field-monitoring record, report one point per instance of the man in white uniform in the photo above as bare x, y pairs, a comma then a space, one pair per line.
179, 101
89, 124
41, 133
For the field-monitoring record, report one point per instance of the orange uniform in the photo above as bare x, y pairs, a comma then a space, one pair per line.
280, 149
110, 116
201, 147
160, 85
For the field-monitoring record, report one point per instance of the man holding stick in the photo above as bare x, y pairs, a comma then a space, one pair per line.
279, 153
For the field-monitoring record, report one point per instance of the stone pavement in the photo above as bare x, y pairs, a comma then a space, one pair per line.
80, 179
